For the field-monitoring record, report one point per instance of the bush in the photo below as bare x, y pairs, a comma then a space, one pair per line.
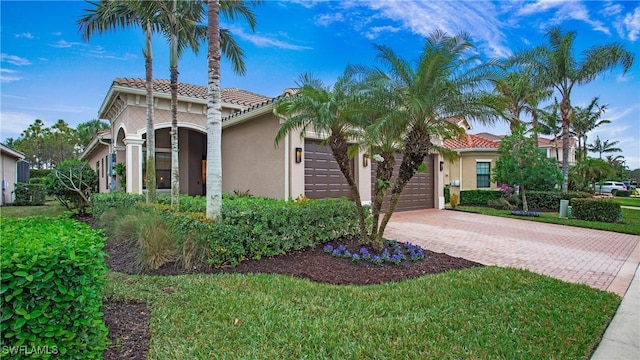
30, 194
72, 183
455, 199
624, 193
550, 200
447, 194
39, 173
113, 200
595, 210
52, 277
478, 197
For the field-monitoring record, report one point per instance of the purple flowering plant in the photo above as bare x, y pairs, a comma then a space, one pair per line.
394, 253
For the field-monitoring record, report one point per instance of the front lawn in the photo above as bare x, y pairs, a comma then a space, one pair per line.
477, 313
50, 208
627, 201
630, 223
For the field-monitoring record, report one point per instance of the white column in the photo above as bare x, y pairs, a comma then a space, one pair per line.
134, 165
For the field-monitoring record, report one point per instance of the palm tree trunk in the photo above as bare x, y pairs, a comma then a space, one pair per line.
565, 110
151, 135
384, 172
214, 117
175, 166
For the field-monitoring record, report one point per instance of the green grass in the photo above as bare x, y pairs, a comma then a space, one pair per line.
477, 313
50, 208
627, 201
630, 223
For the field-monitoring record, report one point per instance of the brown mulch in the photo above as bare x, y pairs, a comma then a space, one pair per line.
128, 322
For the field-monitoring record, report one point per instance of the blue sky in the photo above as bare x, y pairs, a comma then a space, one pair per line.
48, 72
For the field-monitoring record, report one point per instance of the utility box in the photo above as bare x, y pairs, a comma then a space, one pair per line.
564, 209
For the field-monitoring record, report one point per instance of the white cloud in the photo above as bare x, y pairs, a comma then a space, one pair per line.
26, 35
7, 75
57, 33
423, 17
62, 44
14, 60
328, 19
632, 24
375, 31
563, 11
306, 3
264, 41
623, 78
611, 9
14, 123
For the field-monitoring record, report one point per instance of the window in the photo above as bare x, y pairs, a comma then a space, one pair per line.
483, 174
106, 178
163, 170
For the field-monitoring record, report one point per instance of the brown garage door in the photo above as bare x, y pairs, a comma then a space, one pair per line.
322, 176
418, 194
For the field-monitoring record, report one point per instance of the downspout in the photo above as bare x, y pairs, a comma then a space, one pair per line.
461, 159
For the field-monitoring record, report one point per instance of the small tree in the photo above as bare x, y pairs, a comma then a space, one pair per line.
521, 163
72, 183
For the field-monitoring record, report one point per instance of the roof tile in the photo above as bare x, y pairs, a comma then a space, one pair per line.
470, 141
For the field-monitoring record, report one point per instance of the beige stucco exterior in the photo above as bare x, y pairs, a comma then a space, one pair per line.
9, 166
461, 173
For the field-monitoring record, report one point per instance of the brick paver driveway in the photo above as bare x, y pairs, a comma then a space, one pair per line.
601, 259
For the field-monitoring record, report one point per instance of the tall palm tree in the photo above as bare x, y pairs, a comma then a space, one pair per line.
217, 39
108, 15
603, 147
551, 124
446, 82
555, 66
586, 120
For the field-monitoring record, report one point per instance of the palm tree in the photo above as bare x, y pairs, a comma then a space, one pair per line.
110, 15
88, 130
218, 38
603, 147
586, 120
551, 124
555, 66
325, 109
445, 83
589, 171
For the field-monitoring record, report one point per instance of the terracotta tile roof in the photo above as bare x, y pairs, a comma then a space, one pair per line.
233, 95
470, 141
490, 136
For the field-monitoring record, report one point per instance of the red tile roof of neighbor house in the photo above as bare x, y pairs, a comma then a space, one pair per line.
232, 95
470, 141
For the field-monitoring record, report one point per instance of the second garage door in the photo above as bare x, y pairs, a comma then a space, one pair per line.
322, 175
418, 194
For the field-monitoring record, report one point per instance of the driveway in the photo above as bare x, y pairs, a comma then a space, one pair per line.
601, 259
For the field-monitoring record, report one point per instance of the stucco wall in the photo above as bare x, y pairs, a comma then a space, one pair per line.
100, 156
250, 161
9, 174
464, 170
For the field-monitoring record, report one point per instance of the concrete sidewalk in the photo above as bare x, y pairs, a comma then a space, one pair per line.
601, 259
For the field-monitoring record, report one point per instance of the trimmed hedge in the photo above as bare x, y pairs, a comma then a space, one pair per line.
624, 193
595, 210
447, 194
479, 197
550, 200
51, 293
33, 193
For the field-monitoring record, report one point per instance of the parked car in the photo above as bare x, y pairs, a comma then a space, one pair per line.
628, 185
610, 186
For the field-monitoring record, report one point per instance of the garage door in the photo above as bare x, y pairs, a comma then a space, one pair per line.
322, 176
418, 194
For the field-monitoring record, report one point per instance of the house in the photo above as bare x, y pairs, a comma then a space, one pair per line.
476, 158
298, 166
552, 148
9, 164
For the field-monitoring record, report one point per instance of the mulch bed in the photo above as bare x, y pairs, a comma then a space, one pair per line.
128, 323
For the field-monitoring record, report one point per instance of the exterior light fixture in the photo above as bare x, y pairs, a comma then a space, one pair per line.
365, 160
441, 165
298, 155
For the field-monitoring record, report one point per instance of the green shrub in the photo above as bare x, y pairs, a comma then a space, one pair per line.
113, 200
447, 194
624, 193
455, 199
51, 294
478, 197
39, 173
30, 194
72, 183
550, 200
187, 203
603, 210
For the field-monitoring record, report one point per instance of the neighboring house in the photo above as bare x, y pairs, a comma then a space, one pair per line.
298, 166
476, 159
9, 159
550, 147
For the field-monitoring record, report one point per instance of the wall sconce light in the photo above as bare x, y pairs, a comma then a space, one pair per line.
204, 171
365, 160
298, 155
441, 165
